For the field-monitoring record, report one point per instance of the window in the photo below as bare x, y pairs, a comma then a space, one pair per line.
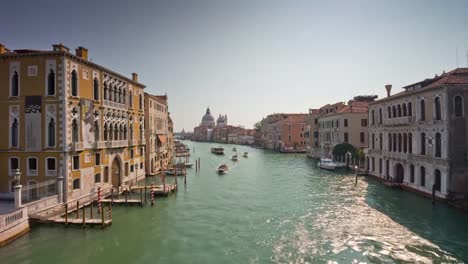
405, 143
106, 174
458, 106
14, 133
131, 153
380, 115
105, 132
405, 113
399, 142
289, 137
76, 162
410, 109
346, 122
411, 173
437, 180
32, 166
394, 111
364, 122
97, 158
438, 145
131, 168
362, 137
126, 168
97, 178
74, 83
51, 133
380, 166
51, 167
389, 142
389, 111
373, 164
423, 144
422, 176
394, 142
130, 99
373, 141
141, 165
345, 137
76, 184
15, 84
437, 109
96, 131
141, 102
422, 108
96, 89
74, 131
373, 117
410, 143
380, 141
399, 110
14, 164
51, 83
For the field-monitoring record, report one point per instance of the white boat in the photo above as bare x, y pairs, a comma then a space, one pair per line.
326, 164
234, 149
235, 157
245, 155
218, 151
223, 168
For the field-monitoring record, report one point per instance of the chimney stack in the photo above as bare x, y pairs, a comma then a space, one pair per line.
2, 49
135, 77
82, 52
388, 87
60, 47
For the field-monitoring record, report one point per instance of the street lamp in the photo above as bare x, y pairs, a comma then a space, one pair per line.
355, 173
17, 177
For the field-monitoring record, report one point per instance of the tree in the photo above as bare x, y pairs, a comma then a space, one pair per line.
361, 156
258, 125
340, 150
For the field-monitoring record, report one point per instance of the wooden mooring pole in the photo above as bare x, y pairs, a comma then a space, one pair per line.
103, 218
66, 214
84, 215
77, 209
145, 193
126, 197
91, 211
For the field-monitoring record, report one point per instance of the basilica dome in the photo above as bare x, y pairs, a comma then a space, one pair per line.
208, 119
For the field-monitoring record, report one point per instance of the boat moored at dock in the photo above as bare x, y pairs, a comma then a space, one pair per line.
326, 164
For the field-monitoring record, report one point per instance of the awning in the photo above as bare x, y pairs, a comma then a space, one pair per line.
162, 139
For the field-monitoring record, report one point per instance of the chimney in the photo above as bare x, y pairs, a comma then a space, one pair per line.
60, 47
135, 76
388, 87
82, 52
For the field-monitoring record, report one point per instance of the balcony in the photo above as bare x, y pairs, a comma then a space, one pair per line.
101, 144
132, 142
114, 105
375, 151
32, 173
118, 143
400, 121
51, 172
77, 146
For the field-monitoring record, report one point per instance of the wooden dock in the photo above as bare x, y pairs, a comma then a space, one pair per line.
159, 190
122, 201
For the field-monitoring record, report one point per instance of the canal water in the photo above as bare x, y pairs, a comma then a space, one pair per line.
269, 208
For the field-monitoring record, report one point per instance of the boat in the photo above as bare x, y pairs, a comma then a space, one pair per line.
245, 155
223, 168
218, 151
174, 172
183, 165
326, 164
234, 149
235, 157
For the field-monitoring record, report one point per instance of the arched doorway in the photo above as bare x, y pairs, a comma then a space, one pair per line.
399, 173
115, 169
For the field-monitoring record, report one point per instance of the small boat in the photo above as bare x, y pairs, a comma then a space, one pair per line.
183, 165
235, 157
234, 149
218, 151
245, 155
326, 164
223, 168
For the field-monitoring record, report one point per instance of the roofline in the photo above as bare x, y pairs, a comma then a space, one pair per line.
407, 93
71, 56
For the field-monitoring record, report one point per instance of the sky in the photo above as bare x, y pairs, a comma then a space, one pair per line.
251, 58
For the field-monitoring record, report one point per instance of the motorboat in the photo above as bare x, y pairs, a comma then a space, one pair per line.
183, 165
326, 164
234, 149
223, 168
235, 157
245, 155
218, 151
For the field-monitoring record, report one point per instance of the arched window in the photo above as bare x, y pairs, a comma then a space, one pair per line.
14, 133
141, 102
437, 180
394, 142
410, 143
74, 83
380, 115
373, 141
405, 113
119, 95
105, 132
399, 142
422, 108
141, 132
111, 92
422, 176
437, 108
125, 132
412, 173
373, 117
74, 131
458, 106
97, 178
111, 132
130, 99
399, 110
115, 96
438, 145
121, 133
405, 143
116, 132
96, 89
76, 184
423, 144
96, 131
394, 112
124, 97
131, 132
51, 83
389, 112
15, 84
389, 142
380, 141
51, 131
106, 91
410, 109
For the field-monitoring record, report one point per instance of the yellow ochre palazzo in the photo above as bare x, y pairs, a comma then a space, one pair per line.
63, 114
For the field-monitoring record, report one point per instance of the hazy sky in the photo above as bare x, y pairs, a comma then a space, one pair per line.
250, 58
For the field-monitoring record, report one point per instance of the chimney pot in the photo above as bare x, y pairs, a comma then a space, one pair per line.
82, 52
60, 47
135, 77
388, 87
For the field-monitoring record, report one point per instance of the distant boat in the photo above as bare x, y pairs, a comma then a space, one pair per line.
234, 149
235, 157
245, 155
183, 165
326, 164
218, 151
223, 168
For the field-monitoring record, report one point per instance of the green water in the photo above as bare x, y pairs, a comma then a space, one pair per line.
269, 208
